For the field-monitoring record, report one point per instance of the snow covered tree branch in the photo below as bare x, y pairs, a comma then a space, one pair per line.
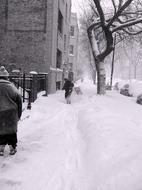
124, 16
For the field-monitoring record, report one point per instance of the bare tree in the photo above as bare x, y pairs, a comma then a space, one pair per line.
134, 55
84, 41
124, 19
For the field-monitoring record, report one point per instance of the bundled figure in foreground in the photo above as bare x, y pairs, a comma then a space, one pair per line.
68, 87
10, 112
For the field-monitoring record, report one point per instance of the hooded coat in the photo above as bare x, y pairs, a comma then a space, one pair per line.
10, 107
68, 87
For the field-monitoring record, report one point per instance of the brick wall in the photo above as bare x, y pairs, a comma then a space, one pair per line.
28, 35
23, 34
26, 15
74, 41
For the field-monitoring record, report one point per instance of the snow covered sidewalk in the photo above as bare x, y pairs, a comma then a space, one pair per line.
48, 148
94, 143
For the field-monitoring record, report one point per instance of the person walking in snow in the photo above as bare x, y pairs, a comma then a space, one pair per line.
68, 87
10, 112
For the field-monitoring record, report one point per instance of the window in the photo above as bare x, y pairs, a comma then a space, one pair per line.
60, 22
59, 59
65, 42
58, 85
71, 50
66, 12
72, 30
70, 66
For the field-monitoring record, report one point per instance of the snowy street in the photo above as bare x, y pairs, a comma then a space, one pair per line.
93, 144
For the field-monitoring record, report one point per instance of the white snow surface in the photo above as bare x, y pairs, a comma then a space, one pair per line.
93, 144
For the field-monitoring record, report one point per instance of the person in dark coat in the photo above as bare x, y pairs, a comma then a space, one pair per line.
10, 112
68, 87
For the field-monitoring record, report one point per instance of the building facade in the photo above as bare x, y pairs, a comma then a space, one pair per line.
34, 37
73, 47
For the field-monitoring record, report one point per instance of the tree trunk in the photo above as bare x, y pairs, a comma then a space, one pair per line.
100, 68
112, 69
94, 76
135, 72
101, 78
92, 67
129, 70
112, 64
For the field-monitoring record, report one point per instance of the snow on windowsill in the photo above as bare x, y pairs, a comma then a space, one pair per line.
56, 70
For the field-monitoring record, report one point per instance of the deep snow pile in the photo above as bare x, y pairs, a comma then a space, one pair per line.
94, 143
135, 86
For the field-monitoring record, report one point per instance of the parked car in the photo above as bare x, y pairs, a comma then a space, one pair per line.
139, 99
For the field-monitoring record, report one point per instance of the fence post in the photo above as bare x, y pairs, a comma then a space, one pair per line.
34, 87
24, 87
29, 100
46, 82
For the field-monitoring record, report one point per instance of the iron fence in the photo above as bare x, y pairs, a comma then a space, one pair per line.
30, 85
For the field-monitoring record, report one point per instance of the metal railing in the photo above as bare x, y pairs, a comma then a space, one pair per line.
30, 85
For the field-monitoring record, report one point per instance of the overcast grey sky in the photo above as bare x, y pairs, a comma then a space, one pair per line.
77, 4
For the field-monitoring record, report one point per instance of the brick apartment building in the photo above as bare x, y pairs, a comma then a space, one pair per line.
34, 36
73, 48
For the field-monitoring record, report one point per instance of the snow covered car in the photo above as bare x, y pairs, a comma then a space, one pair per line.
139, 99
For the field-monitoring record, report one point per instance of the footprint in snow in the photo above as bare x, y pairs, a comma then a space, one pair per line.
7, 182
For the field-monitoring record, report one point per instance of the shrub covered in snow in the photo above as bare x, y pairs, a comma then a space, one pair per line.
116, 87
139, 99
33, 73
108, 87
125, 90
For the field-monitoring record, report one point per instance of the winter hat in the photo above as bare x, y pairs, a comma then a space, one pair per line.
3, 72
